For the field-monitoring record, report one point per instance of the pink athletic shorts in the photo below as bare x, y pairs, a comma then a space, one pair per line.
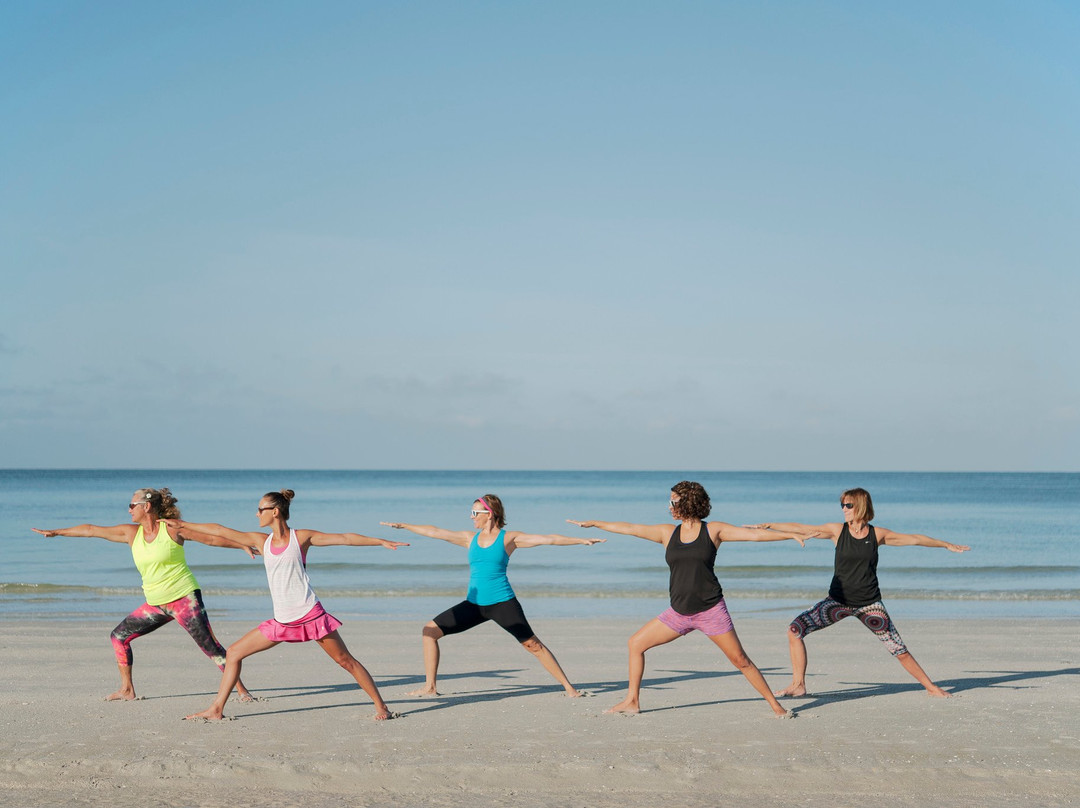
710, 622
314, 625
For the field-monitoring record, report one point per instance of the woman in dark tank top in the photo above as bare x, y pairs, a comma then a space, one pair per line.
854, 589
697, 600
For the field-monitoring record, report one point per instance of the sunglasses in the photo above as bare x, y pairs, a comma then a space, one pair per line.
269, 508
847, 505
474, 514
133, 505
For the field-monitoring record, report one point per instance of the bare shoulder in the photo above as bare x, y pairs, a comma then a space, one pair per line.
882, 533
665, 532
717, 530
305, 536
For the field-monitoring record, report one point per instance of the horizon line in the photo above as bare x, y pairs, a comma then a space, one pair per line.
535, 470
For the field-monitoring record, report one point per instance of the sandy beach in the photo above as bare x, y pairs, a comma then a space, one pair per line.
503, 734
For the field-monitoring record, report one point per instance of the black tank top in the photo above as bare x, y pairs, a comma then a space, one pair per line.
692, 585
854, 580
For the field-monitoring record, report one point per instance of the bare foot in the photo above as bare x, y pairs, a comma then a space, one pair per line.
206, 715
424, 691
579, 694
629, 706
938, 692
246, 695
786, 714
123, 694
793, 691
386, 715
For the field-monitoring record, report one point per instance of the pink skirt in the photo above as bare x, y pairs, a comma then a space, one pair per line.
314, 625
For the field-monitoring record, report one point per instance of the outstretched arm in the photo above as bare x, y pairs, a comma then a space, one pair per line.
886, 536
728, 532
345, 539
253, 548
459, 537
122, 534
829, 531
537, 539
656, 533
237, 538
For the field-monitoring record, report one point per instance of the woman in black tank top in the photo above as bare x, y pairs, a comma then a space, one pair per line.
854, 588
697, 600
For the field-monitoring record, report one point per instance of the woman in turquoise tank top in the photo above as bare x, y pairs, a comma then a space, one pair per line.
490, 596
172, 593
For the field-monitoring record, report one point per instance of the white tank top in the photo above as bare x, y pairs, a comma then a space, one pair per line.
290, 587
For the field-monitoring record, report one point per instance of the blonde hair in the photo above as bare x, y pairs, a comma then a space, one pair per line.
864, 506
161, 501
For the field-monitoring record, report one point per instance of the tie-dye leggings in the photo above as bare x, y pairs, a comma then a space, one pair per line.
829, 611
188, 611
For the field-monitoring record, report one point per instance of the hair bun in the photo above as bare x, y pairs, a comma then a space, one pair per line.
288, 493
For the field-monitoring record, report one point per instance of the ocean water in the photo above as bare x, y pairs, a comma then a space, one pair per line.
1023, 529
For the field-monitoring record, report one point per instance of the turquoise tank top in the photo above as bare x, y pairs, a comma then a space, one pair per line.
488, 583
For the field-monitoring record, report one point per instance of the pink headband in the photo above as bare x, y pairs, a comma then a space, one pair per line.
483, 502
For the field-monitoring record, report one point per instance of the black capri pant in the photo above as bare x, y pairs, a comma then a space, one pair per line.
508, 615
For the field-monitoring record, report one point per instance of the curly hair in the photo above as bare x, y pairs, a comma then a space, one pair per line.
494, 505
161, 502
693, 501
280, 500
864, 506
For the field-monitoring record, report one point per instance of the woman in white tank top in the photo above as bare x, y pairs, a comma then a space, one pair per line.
298, 615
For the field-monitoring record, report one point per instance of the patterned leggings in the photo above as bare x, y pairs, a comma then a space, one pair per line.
829, 611
188, 611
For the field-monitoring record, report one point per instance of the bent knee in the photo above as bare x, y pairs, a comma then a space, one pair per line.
348, 662
431, 631
236, 652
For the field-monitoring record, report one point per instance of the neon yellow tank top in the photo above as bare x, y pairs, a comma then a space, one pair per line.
163, 567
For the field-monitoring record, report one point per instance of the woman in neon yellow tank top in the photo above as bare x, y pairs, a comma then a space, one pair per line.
172, 593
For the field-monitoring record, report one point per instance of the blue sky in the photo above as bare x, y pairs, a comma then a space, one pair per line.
782, 236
